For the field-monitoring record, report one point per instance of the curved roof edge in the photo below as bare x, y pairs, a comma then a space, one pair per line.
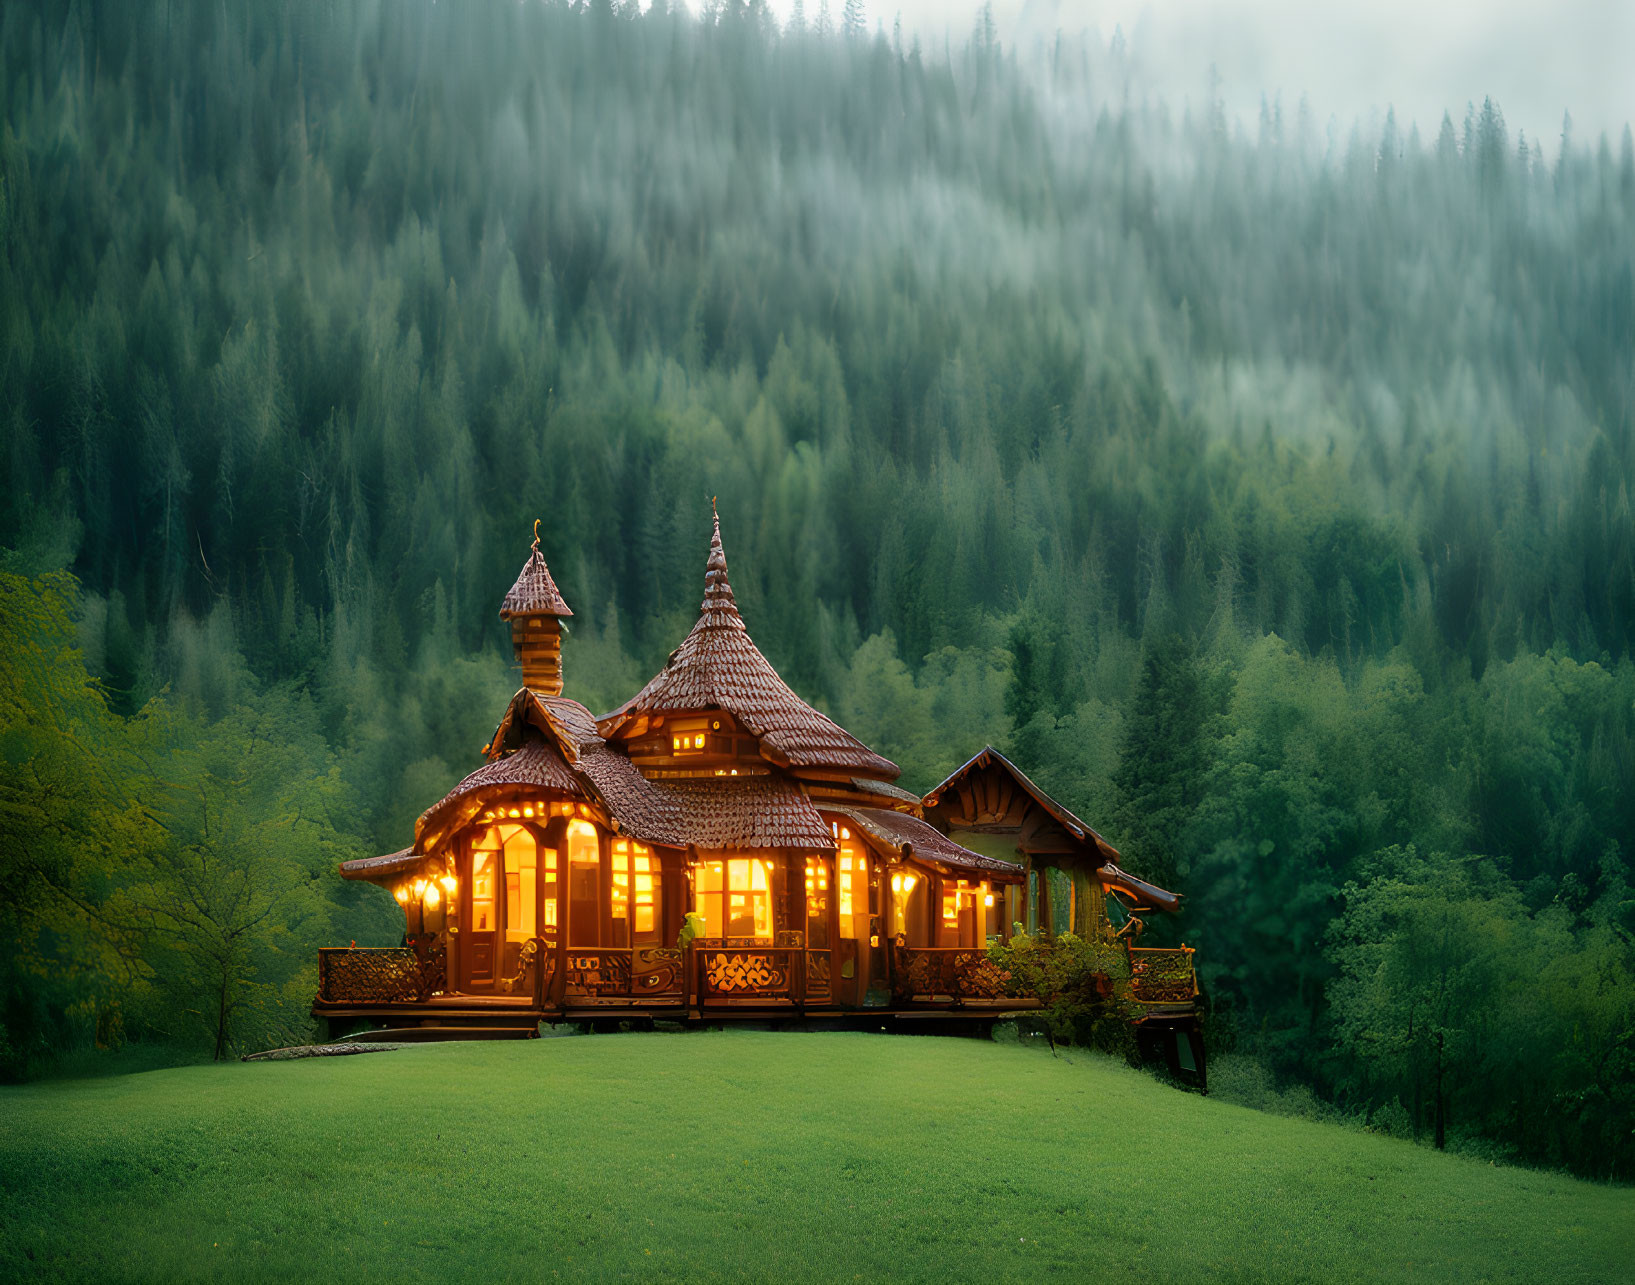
914, 839
370, 869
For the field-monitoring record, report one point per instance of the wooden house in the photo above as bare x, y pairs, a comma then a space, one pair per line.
715, 848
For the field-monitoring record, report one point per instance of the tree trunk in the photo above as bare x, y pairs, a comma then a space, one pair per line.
221, 1021
1441, 1110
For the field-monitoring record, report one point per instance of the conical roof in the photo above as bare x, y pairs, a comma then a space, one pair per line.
534, 593
717, 666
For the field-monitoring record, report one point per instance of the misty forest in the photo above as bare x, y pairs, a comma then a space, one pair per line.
1263, 489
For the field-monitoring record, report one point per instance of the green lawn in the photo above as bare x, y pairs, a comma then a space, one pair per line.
748, 1156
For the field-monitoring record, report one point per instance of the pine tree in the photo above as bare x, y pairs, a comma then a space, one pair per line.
1160, 774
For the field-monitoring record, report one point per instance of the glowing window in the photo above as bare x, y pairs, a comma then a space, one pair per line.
521, 882
688, 736
735, 897
634, 894
482, 892
962, 918
817, 903
527, 873
851, 883
907, 900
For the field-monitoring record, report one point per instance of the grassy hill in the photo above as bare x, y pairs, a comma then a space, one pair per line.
747, 1156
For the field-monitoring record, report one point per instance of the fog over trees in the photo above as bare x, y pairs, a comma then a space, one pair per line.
1266, 495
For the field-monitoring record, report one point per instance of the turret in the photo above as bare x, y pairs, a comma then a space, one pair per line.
536, 611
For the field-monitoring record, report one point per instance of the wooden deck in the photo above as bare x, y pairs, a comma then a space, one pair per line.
396, 988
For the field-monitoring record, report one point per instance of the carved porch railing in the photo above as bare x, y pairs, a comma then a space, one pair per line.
929, 973
748, 974
532, 971
818, 988
645, 974
1163, 975
377, 975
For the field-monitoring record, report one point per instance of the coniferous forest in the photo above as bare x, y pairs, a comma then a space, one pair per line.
1263, 489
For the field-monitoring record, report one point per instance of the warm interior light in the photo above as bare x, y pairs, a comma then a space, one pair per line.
516, 812
988, 901
896, 883
419, 887
448, 882
433, 896
527, 812
402, 895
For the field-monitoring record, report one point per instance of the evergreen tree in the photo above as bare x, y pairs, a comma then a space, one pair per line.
1162, 766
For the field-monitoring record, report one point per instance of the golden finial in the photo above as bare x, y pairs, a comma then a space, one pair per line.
536, 535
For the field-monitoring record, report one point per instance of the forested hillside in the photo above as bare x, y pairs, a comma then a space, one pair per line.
1265, 492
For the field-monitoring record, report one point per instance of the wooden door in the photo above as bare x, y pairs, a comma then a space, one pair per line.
849, 967
480, 921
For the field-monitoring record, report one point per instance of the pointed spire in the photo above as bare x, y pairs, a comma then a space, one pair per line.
718, 599
534, 593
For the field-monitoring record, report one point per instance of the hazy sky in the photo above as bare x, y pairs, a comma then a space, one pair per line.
1352, 57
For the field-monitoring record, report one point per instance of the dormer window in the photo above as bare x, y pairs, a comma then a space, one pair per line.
688, 737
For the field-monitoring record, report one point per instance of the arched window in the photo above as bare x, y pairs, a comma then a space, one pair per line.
735, 897
908, 901
508, 856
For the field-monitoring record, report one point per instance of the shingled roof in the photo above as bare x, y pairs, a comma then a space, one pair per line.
538, 763
912, 838
534, 593
714, 812
717, 666
747, 812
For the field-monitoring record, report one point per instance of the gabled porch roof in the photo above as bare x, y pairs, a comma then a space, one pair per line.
987, 757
